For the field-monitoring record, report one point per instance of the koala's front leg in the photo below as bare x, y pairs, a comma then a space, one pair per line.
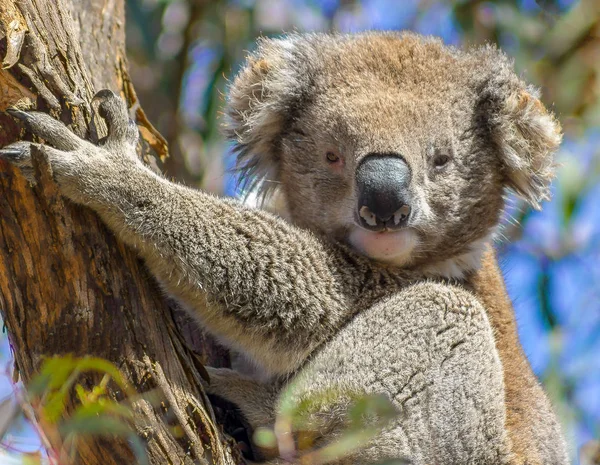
274, 291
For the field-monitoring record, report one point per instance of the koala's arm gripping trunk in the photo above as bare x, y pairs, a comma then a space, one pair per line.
250, 277
247, 275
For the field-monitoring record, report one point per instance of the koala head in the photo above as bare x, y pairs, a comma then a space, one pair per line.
393, 143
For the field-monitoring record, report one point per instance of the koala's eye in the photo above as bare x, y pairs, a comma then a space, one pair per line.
332, 157
440, 159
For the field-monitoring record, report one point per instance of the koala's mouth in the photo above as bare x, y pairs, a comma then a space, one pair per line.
393, 247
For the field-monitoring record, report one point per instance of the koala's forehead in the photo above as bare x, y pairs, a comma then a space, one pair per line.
386, 62
383, 80
381, 122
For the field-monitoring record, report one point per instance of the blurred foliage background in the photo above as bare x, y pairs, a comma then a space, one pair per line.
182, 53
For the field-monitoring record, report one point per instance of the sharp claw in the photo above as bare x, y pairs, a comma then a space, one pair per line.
104, 94
19, 114
53, 131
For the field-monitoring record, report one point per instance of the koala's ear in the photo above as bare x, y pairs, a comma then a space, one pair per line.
259, 103
524, 131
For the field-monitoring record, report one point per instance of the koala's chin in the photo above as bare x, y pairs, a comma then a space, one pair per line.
389, 247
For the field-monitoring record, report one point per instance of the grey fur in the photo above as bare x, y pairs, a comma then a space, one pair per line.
303, 95
311, 312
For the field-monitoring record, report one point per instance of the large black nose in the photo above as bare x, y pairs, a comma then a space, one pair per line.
383, 182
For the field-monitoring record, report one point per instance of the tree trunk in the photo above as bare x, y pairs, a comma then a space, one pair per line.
66, 284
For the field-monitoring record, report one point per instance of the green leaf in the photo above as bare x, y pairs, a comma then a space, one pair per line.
103, 407
375, 406
102, 366
300, 409
139, 449
53, 374
344, 446
105, 425
100, 425
368, 414
55, 405
265, 437
81, 393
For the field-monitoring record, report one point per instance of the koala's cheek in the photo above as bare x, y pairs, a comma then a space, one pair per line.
389, 247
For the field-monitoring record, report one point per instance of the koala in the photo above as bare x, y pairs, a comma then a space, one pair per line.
391, 153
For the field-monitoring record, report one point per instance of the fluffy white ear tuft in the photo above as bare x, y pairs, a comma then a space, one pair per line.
527, 135
259, 103
524, 132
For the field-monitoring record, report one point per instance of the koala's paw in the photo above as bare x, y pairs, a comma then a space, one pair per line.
75, 161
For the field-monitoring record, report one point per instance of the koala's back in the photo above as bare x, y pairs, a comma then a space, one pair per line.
430, 349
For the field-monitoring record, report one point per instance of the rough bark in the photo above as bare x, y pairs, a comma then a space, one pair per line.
66, 284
